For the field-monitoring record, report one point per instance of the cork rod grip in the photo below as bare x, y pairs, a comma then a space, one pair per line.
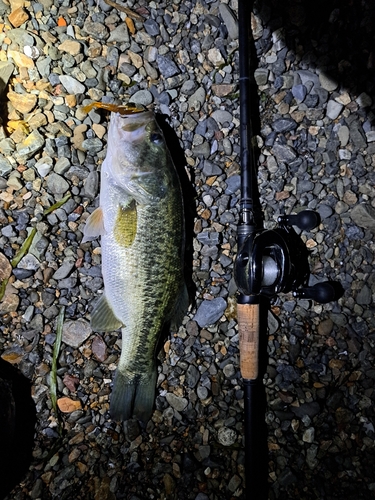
248, 326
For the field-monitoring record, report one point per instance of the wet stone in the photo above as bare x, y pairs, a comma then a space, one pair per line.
5, 166
283, 153
91, 185
57, 184
226, 436
229, 20
192, 376
177, 402
167, 67
76, 332
151, 27
99, 349
72, 85
333, 109
234, 483
210, 311
64, 270
29, 262
284, 125
364, 296
96, 30
6, 70
364, 216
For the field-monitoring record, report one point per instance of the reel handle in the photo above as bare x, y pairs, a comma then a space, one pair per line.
306, 220
325, 292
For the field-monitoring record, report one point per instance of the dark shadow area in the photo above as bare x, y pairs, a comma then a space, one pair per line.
17, 423
335, 36
189, 195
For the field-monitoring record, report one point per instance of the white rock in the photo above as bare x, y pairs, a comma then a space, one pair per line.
214, 56
226, 436
327, 82
230, 20
333, 109
76, 332
72, 85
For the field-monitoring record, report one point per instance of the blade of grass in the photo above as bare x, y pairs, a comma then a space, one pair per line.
57, 205
24, 248
27, 243
3, 286
56, 352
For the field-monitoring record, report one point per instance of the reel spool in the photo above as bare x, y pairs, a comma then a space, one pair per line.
276, 260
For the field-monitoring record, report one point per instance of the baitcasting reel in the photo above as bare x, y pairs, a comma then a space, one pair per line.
276, 260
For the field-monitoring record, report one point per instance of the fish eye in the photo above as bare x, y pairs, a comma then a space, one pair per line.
156, 138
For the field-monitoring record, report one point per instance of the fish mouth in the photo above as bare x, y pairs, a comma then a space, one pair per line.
132, 123
128, 121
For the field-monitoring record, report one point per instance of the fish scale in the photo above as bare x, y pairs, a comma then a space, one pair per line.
154, 268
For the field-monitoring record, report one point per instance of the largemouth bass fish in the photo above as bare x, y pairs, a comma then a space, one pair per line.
141, 223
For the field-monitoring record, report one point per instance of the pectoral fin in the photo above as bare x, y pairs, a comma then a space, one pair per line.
94, 225
103, 318
126, 224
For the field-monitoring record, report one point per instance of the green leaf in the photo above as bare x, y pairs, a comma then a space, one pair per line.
3, 286
24, 248
57, 205
56, 352
27, 243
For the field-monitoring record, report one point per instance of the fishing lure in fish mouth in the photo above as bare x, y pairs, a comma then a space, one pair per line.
123, 109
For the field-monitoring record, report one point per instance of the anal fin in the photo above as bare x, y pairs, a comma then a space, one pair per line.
103, 318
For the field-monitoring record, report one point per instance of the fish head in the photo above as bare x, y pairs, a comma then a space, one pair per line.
138, 155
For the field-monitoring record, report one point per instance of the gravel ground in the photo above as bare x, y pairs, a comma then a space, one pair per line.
316, 134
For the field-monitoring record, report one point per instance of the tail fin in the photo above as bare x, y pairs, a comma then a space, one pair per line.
133, 397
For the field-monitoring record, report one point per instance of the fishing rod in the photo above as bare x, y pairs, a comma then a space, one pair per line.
268, 262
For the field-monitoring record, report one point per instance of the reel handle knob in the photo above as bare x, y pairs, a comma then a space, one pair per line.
306, 220
325, 292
